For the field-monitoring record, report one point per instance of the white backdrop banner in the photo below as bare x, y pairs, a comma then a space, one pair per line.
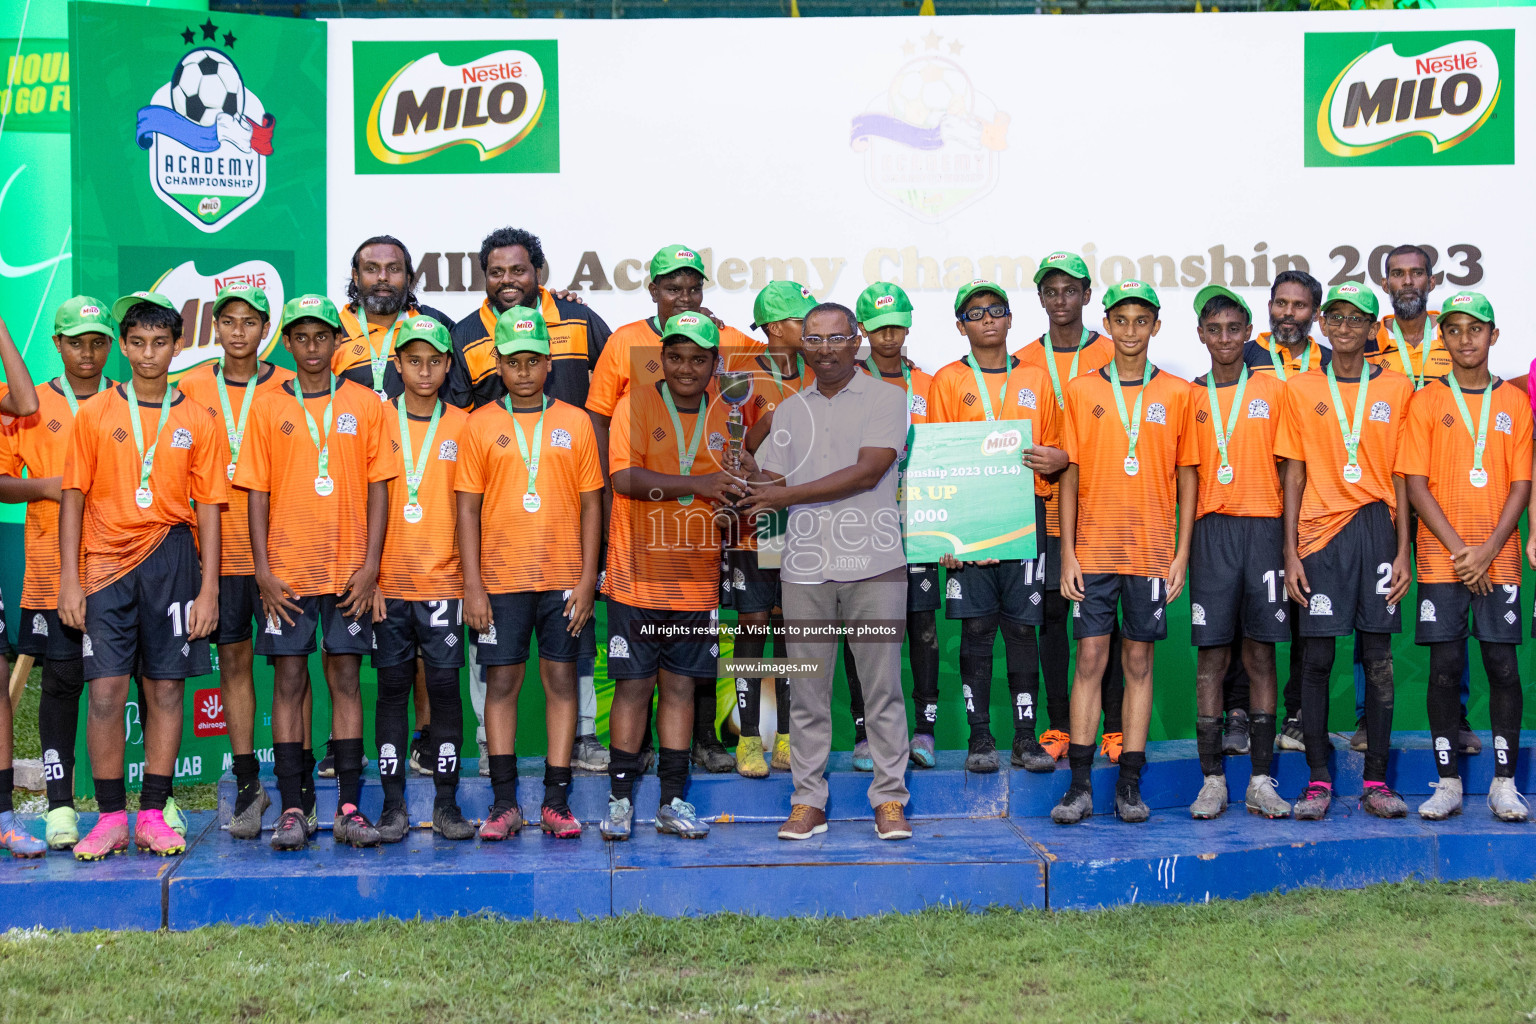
1181, 149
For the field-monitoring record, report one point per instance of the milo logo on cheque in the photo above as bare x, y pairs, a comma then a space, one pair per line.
1001, 442
1407, 98
431, 108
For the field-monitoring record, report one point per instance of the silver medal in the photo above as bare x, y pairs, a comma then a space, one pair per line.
1132, 465
324, 485
1478, 477
531, 502
1352, 473
412, 512
1224, 475
143, 497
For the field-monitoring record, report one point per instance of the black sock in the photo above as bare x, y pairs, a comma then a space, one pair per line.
1080, 759
7, 785
111, 795
247, 780
977, 637
157, 788
1506, 705
1022, 653
288, 765
557, 783
672, 767
1317, 666
781, 705
390, 732
623, 769
706, 704
749, 705
58, 718
446, 731
855, 694
1376, 658
1261, 741
349, 770
1208, 742
923, 656
504, 779
1443, 701
1055, 660
306, 780
1131, 764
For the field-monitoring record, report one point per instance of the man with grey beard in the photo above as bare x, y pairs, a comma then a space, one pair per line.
381, 298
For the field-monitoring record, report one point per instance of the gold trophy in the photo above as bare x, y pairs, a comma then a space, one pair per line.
735, 391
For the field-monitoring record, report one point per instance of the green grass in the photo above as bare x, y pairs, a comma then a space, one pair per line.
1401, 953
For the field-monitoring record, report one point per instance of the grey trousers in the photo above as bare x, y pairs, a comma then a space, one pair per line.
881, 598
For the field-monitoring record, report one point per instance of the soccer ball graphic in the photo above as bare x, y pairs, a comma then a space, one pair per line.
206, 84
927, 89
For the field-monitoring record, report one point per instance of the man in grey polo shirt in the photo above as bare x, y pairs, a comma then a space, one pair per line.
830, 458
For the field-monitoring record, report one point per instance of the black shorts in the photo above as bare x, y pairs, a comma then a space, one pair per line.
44, 636
1237, 576
6, 650
339, 634
1444, 609
1140, 600
1052, 562
435, 629
239, 603
138, 624
518, 618
923, 587
1350, 578
746, 586
633, 655
1015, 590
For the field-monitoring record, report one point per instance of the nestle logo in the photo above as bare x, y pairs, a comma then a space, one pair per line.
1201, 417
503, 441
652, 366
1441, 64
1320, 408
54, 425
119, 435
969, 399
491, 72
1446, 419
1098, 411
287, 427
658, 433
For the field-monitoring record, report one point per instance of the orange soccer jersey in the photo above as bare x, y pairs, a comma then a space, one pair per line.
1126, 524
917, 400
1309, 432
421, 559
632, 359
103, 464
201, 385
1094, 355
39, 444
522, 551
767, 390
314, 542
663, 554
1438, 446
1255, 484
1023, 394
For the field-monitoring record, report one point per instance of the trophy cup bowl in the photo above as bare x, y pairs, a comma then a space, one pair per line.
735, 391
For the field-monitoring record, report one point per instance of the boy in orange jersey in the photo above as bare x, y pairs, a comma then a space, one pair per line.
1467, 462
1132, 459
991, 384
418, 608
317, 462
1236, 561
663, 567
140, 455
228, 389
885, 319
1065, 288
382, 298
529, 524
1346, 535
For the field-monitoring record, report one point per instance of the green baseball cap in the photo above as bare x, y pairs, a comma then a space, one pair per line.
427, 329
676, 257
782, 300
696, 327
1357, 295
881, 305
245, 292
121, 307
83, 315
1474, 304
1132, 289
522, 329
316, 306
1069, 263
1210, 291
967, 290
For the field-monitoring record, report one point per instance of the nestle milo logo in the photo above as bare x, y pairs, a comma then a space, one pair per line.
1406, 98
424, 325
688, 321
885, 300
523, 325
1000, 442
1460, 300
90, 310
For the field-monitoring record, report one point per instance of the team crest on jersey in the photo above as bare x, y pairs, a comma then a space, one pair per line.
1381, 412
181, 437
1321, 604
1026, 398
1258, 409
918, 406
86, 650
952, 589
1426, 611
39, 626
448, 451
1156, 413
1503, 424
716, 441
1197, 614
346, 423
560, 438
618, 647
738, 579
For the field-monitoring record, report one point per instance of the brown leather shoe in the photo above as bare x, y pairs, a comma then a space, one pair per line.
804, 821
891, 821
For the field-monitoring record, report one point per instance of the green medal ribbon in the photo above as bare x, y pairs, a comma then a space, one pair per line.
1351, 436
1224, 437
235, 431
413, 474
1478, 475
144, 497
1417, 376
379, 360
531, 499
1050, 364
323, 483
986, 399
778, 378
1274, 357
69, 393
1131, 423
684, 459
906, 375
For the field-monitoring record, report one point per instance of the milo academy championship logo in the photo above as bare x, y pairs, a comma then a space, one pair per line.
1409, 98
207, 135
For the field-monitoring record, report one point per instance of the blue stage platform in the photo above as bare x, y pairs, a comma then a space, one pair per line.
978, 841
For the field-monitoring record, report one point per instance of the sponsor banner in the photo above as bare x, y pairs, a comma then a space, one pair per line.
964, 491
934, 156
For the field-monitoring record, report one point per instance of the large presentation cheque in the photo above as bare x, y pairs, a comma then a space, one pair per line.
964, 491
